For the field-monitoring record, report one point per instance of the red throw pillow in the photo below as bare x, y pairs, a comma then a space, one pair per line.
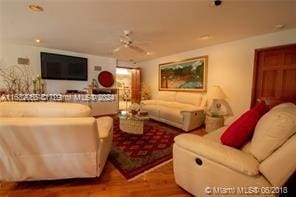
241, 130
261, 108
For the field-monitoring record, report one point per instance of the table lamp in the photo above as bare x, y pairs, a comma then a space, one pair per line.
215, 94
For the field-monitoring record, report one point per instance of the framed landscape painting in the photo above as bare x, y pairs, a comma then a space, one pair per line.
184, 75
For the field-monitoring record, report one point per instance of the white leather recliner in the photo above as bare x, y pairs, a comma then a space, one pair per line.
202, 165
41, 141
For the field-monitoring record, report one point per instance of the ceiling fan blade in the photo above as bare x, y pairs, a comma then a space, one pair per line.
117, 49
122, 39
142, 42
138, 49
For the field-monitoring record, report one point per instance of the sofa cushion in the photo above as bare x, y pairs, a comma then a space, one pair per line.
279, 166
171, 104
272, 130
164, 103
43, 109
176, 105
156, 102
287, 107
166, 96
151, 109
215, 136
189, 98
150, 102
170, 114
240, 131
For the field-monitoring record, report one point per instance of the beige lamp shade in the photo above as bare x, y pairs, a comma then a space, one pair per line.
216, 92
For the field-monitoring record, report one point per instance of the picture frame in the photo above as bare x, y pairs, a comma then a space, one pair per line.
188, 75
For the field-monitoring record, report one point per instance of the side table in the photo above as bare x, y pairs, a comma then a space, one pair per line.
213, 123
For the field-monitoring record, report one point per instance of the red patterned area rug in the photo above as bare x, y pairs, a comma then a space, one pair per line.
133, 154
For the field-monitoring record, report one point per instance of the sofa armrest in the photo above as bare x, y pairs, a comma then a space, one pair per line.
104, 125
224, 155
192, 118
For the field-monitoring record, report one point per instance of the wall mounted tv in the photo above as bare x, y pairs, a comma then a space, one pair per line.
63, 67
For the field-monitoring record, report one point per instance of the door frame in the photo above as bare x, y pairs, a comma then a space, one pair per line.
133, 68
256, 66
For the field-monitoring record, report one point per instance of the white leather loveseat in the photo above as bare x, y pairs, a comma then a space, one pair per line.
40, 141
202, 164
178, 109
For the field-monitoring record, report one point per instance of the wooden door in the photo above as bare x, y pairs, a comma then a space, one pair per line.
136, 85
274, 79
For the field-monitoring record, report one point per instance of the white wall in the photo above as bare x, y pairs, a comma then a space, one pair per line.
230, 66
10, 53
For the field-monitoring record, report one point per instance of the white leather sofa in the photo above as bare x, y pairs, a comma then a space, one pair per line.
202, 164
178, 109
40, 141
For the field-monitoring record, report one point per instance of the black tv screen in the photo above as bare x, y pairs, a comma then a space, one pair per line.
63, 67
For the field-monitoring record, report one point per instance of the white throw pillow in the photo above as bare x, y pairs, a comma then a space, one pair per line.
272, 130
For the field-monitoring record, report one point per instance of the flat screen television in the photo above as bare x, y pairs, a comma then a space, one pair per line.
63, 67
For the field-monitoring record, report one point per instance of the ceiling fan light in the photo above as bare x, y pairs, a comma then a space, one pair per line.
279, 26
205, 37
35, 8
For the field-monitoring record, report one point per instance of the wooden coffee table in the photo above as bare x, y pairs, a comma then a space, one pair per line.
133, 124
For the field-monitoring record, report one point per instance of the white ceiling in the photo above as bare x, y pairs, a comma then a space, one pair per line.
163, 27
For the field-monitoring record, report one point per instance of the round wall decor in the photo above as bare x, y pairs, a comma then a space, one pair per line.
106, 79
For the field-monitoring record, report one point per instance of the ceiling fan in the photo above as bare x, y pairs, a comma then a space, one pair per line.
127, 42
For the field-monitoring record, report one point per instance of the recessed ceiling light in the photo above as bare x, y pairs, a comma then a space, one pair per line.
35, 8
37, 40
279, 26
148, 53
215, 3
204, 37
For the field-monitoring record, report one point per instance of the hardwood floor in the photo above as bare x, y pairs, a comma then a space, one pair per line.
159, 182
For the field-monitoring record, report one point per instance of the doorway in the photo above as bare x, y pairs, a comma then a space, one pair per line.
274, 78
128, 84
